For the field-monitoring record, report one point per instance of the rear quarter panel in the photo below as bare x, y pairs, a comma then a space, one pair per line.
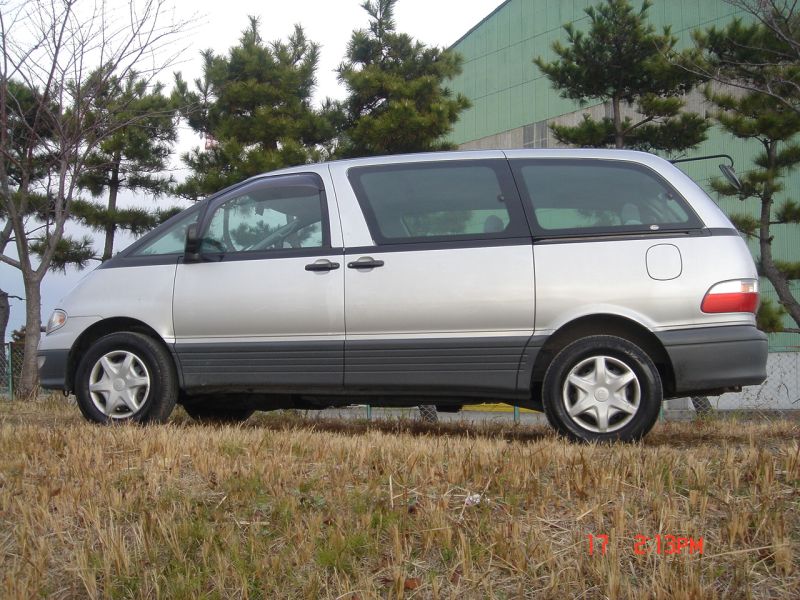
610, 277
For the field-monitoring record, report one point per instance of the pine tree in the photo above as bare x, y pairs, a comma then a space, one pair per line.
774, 125
133, 157
622, 60
397, 98
775, 69
253, 106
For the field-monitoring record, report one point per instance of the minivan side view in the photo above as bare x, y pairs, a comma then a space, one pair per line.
590, 284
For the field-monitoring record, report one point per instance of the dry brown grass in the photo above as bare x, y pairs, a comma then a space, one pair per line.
286, 507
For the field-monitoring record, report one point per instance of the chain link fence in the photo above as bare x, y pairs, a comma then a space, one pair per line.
781, 390
10, 368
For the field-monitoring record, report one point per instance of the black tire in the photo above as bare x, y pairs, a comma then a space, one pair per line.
148, 403
555, 423
215, 410
619, 362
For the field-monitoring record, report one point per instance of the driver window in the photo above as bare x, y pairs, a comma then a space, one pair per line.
270, 218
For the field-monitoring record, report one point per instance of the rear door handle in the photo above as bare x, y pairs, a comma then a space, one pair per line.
365, 262
322, 265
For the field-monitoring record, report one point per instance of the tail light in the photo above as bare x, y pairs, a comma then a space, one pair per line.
738, 295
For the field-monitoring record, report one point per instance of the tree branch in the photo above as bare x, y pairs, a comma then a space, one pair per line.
7, 295
642, 122
10, 261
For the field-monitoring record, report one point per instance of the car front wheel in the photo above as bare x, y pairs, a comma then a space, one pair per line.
126, 377
602, 388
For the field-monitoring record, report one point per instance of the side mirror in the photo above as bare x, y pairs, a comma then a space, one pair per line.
727, 170
731, 176
192, 247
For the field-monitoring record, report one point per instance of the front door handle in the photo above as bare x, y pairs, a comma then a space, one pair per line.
322, 265
365, 262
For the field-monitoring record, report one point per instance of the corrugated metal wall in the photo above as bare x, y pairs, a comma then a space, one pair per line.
512, 98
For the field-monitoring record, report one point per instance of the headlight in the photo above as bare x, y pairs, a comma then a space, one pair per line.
57, 320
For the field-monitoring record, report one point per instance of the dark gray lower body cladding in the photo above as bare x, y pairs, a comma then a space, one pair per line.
471, 365
716, 358
53, 370
262, 364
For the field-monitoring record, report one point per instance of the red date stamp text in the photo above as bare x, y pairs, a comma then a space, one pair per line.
660, 544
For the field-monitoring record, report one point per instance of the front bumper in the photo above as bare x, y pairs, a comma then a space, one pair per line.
713, 359
53, 369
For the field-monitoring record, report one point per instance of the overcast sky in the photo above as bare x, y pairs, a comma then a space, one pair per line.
218, 26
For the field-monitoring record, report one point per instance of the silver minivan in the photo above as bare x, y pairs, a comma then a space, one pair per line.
590, 284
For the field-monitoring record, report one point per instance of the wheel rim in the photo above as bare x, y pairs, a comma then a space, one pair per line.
601, 394
119, 384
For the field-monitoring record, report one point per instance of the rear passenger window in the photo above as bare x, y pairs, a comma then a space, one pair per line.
439, 201
583, 196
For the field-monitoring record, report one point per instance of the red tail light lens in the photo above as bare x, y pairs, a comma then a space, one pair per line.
739, 295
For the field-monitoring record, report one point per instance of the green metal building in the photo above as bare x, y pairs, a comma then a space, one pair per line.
513, 103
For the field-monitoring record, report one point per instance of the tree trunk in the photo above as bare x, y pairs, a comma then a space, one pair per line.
113, 189
768, 268
5, 311
28, 385
778, 281
619, 138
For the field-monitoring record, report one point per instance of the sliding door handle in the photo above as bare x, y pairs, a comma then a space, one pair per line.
365, 262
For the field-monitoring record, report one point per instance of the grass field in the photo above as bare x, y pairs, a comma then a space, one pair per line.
293, 507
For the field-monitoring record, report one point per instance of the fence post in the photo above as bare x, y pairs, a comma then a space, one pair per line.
516, 415
369, 412
10, 370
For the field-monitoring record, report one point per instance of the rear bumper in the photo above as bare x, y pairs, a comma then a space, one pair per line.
53, 369
713, 359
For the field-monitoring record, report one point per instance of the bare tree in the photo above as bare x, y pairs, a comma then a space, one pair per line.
58, 57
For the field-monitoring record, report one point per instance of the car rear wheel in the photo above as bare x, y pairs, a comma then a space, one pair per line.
602, 388
126, 377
